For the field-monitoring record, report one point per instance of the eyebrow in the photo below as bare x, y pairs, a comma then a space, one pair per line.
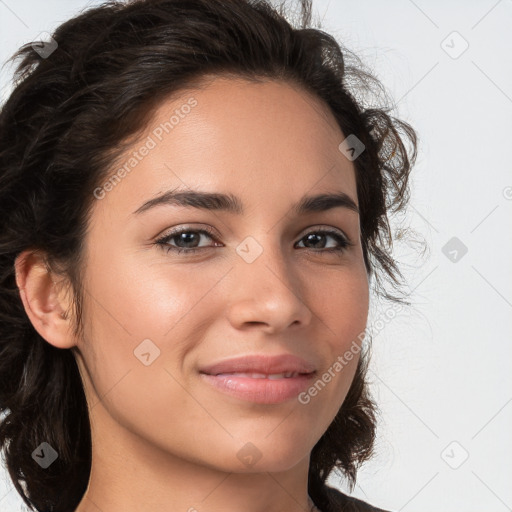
232, 204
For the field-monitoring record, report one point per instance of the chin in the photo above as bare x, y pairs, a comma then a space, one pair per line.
270, 454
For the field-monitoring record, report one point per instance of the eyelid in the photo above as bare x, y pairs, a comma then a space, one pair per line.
185, 227
328, 228
212, 232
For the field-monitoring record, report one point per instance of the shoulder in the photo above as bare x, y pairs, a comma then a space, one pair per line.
343, 503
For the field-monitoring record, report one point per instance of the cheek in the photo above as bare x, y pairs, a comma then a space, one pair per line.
340, 299
139, 313
341, 303
140, 321
148, 296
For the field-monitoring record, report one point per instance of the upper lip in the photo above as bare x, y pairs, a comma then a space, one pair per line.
260, 364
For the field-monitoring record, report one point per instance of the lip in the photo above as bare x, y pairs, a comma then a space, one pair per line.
260, 390
260, 363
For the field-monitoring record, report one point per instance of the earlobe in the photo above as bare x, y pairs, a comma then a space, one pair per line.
40, 296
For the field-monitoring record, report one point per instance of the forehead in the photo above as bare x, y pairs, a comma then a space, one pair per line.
268, 140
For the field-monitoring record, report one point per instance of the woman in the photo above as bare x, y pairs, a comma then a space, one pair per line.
193, 208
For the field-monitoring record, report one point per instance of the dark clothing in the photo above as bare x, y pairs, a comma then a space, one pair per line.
339, 502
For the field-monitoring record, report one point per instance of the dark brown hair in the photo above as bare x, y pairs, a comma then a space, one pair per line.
73, 112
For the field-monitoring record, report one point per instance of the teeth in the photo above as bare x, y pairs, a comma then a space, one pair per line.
271, 376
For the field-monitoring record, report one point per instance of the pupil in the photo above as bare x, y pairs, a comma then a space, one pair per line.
185, 237
314, 238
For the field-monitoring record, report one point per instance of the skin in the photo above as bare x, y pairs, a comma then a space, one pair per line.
162, 438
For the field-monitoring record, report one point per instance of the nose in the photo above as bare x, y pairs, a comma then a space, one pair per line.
266, 293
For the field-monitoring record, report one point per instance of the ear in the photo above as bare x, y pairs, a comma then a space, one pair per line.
44, 304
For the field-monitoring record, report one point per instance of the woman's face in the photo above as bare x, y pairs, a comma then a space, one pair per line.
266, 281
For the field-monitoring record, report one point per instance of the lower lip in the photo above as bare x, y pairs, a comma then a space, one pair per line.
260, 391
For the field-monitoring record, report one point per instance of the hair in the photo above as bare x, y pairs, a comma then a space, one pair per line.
72, 113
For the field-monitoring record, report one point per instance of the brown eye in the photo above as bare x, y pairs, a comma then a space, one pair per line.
188, 238
317, 238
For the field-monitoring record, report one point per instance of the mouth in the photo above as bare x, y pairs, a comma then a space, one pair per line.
261, 364
260, 388
257, 375
260, 378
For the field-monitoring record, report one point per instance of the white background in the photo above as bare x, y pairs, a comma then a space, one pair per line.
441, 369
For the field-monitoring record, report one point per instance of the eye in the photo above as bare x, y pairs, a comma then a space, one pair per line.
184, 236
189, 239
318, 237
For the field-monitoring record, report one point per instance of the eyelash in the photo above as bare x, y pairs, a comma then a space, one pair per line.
163, 241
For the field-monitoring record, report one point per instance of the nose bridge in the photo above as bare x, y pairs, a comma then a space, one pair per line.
262, 255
